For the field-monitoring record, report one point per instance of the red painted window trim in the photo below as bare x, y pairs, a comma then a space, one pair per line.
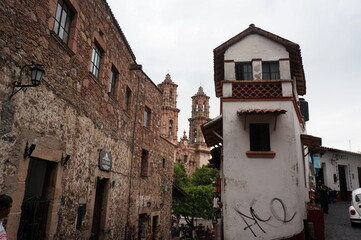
260, 154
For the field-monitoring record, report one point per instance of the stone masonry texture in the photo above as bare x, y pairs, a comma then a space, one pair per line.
72, 114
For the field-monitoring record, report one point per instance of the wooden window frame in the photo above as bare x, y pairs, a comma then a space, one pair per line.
63, 20
260, 141
242, 73
268, 72
113, 81
147, 117
96, 60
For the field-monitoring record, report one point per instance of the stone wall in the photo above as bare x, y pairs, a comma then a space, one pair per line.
72, 114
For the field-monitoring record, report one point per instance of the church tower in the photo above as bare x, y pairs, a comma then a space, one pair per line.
169, 128
200, 115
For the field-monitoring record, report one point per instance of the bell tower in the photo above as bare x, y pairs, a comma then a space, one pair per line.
169, 128
200, 115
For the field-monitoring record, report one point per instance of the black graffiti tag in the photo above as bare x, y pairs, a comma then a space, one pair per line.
256, 220
253, 217
276, 216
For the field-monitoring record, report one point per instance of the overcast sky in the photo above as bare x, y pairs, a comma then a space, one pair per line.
178, 37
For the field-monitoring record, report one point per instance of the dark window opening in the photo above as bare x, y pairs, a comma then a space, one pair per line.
194, 135
259, 137
244, 71
144, 163
270, 70
171, 96
170, 127
128, 94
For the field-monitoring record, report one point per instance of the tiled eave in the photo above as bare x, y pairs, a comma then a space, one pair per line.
261, 111
213, 131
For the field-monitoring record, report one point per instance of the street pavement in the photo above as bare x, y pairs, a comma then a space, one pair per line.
337, 223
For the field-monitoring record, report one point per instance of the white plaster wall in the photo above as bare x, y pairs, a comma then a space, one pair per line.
255, 46
262, 183
351, 160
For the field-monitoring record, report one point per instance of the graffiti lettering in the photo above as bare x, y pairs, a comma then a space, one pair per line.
253, 217
276, 216
253, 220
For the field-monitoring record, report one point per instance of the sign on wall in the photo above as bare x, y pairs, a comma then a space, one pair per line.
105, 160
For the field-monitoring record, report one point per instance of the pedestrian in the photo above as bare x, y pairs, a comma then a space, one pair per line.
323, 192
5, 206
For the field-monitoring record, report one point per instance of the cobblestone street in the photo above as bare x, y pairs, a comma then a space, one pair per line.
337, 223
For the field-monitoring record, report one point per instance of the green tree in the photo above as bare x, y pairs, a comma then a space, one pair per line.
200, 191
204, 176
180, 177
199, 203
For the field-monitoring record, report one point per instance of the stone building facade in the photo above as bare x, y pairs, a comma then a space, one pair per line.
85, 146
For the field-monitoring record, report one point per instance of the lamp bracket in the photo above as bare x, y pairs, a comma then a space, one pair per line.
18, 84
28, 150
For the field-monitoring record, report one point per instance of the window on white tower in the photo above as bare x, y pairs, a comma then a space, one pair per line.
244, 71
259, 137
270, 70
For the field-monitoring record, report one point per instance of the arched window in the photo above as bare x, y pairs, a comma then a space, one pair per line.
195, 135
171, 96
170, 131
196, 107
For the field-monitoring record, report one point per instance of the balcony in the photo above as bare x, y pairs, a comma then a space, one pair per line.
257, 89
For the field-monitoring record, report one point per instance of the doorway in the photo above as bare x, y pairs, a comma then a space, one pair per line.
142, 226
155, 227
99, 208
343, 182
359, 176
35, 206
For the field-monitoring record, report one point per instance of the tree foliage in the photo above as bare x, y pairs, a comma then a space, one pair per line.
200, 190
180, 176
204, 176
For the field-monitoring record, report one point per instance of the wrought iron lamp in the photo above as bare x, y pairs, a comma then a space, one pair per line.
36, 76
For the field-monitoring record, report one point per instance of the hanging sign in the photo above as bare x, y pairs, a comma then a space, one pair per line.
105, 160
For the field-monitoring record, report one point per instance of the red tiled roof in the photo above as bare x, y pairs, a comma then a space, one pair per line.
293, 49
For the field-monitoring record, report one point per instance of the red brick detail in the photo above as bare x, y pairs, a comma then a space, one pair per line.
258, 90
259, 154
